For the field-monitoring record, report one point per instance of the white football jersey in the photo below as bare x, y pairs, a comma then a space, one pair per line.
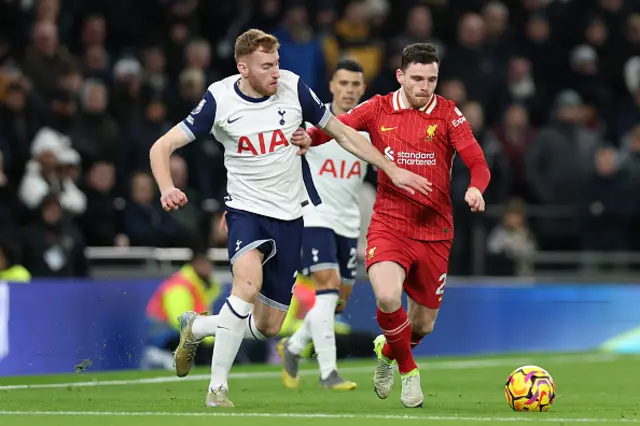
264, 174
338, 176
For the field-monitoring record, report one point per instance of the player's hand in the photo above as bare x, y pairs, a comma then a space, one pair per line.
410, 181
474, 198
172, 199
301, 139
223, 223
345, 294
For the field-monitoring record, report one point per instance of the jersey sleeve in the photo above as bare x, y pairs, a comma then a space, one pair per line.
313, 110
459, 131
200, 121
362, 116
359, 118
462, 139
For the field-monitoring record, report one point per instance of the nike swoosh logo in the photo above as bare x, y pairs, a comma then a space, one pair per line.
229, 120
386, 129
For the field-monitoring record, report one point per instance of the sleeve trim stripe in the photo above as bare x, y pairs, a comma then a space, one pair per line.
187, 131
325, 118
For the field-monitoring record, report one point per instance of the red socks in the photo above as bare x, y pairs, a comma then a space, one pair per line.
397, 329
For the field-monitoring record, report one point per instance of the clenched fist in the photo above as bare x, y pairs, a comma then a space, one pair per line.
172, 199
474, 198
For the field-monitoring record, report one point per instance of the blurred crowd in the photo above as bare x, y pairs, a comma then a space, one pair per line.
551, 89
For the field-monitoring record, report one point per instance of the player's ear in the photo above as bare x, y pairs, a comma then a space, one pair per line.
243, 69
400, 76
332, 87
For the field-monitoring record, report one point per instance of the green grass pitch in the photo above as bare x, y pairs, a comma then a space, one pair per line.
594, 389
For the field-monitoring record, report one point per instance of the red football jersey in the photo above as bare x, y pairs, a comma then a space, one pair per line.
424, 142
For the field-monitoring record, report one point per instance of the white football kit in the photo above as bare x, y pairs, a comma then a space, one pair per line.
265, 176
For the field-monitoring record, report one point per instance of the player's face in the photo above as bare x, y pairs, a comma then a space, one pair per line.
418, 82
263, 71
347, 88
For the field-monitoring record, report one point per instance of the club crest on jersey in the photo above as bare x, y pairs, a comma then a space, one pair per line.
198, 107
282, 113
431, 132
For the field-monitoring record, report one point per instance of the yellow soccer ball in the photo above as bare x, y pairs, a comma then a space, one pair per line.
530, 388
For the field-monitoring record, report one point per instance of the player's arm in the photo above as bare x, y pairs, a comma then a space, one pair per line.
358, 119
316, 112
351, 140
469, 150
198, 123
343, 298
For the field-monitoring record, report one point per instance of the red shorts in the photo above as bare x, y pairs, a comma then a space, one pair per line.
425, 263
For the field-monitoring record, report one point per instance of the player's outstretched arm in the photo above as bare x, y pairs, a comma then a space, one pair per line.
355, 143
171, 197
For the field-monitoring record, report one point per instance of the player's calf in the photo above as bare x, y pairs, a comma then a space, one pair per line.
247, 272
266, 321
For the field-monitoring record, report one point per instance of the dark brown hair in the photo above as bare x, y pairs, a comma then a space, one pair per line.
419, 53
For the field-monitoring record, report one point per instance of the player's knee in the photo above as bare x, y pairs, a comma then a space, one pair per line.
326, 280
268, 328
247, 275
422, 328
388, 300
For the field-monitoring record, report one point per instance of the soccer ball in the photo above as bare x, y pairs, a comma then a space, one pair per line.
530, 388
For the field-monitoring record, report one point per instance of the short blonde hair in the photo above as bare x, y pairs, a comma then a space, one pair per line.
252, 40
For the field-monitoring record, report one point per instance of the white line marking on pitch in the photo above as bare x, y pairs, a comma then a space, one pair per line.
529, 418
437, 365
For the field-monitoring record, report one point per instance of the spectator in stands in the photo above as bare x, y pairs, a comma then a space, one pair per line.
154, 64
468, 60
453, 89
143, 220
100, 224
44, 175
46, 59
499, 36
544, 52
300, 49
520, 86
134, 153
191, 219
418, 28
95, 133
126, 101
198, 56
19, 122
193, 288
511, 244
192, 83
53, 245
607, 203
557, 165
515, 135
353, 38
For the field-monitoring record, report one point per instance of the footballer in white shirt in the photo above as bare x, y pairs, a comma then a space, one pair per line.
254, 114
330, 238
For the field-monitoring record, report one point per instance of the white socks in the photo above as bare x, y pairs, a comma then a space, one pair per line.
205, 326
318, 325
232, 321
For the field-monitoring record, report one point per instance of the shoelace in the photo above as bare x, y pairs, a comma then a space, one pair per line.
383, 368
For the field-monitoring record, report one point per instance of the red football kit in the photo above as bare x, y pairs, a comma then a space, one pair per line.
415, 231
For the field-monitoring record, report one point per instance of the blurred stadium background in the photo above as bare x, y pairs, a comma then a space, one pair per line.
551, 89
